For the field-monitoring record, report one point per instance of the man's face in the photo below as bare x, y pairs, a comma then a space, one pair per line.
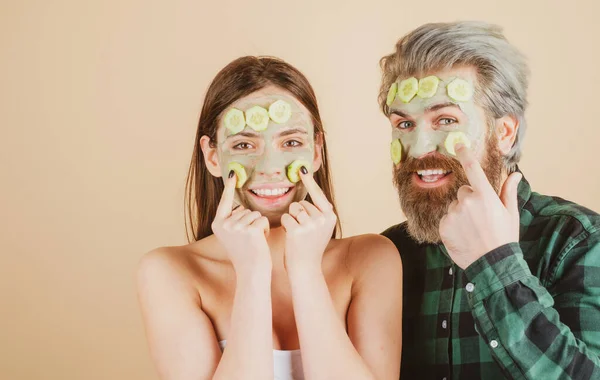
429, 176
266, 154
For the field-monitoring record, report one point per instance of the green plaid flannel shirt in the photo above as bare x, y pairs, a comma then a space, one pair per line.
527, 310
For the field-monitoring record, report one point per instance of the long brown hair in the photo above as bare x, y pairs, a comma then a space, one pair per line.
240, 78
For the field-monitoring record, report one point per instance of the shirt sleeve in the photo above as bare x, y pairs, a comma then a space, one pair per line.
536, 331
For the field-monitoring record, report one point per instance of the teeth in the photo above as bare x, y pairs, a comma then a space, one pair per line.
270, 192
431, 172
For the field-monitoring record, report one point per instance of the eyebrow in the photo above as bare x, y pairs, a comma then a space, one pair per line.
431, 108
292, 131
436, 107
244, 134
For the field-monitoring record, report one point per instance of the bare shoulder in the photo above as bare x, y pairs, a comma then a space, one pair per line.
174, 267
371, 254
164, 269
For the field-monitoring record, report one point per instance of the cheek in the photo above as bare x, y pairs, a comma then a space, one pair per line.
246, 160
476, 132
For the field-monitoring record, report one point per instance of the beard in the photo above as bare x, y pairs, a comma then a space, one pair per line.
424, 208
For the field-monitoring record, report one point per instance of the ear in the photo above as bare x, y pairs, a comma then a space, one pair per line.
506, 130
211, 158
318, 156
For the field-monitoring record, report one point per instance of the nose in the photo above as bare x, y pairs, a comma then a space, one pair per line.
270, 165
424, 143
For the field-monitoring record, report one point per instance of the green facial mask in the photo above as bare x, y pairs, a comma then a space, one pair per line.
413, 99
265, 147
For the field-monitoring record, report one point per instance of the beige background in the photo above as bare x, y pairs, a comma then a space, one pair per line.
98, 107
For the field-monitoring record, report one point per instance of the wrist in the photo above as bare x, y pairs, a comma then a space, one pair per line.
251, 277
303, 270
256, 268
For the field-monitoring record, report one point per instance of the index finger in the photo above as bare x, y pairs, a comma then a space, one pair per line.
226, 203
316, 193
473, 170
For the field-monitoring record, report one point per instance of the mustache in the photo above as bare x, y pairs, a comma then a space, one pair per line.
432, 161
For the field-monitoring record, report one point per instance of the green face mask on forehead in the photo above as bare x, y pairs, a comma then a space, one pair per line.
265, 139
417, 134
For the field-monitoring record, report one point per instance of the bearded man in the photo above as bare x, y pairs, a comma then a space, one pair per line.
499, 281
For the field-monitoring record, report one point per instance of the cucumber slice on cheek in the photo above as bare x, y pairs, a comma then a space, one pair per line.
240, 173
396, 151
293, 170
455, 138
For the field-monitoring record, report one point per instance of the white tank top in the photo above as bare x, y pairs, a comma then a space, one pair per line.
287, 364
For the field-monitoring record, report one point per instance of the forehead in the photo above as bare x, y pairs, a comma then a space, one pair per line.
300, 118
418, 105
265, 97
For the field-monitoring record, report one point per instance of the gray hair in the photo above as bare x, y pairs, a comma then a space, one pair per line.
502, 71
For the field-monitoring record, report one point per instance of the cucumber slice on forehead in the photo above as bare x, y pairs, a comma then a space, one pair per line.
257, 118
396, 151
293, 170
428, 86
408, 89
392, 94
280, 111
455, 138
240, 173
234, 121
460, 90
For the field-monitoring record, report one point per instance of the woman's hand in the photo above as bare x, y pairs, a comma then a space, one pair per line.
308, 228
241, 231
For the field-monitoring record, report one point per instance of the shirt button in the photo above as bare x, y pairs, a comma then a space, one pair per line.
450, 271
470, 287
494, 343
444, 324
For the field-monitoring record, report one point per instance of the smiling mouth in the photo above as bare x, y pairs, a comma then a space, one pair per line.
432, 175
271, 193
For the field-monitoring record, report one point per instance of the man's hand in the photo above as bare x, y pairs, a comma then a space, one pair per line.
479, 220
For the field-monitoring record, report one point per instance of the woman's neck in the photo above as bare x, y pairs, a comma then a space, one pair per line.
276, 241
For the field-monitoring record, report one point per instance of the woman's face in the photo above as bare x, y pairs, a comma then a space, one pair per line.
266, 154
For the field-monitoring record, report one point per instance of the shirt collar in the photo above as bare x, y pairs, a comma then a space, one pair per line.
523, 191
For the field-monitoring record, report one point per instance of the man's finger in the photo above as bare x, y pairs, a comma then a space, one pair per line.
473, 170
316, 194
226, 203
509, 196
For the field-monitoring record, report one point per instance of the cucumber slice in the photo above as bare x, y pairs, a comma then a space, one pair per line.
234, 121
257, 118
293, 170
460, 90
240, 173
396, 151
428, 86
408, 89
455, 138
392, 94
280, 111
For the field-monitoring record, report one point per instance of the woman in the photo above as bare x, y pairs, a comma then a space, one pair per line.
265, 290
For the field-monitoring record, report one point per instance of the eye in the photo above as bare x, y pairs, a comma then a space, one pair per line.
447, 121
405, 125
243, 146
292, 143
